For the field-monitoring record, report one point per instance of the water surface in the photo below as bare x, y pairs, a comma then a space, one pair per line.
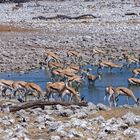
93, 93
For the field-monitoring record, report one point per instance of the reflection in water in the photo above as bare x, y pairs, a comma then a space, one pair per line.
94, 93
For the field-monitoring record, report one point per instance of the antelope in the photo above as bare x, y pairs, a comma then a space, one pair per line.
56, 73
126, 92
17, 6
52, 56
64, 73
35, 89
72, 53
134, 81
13, 86
92, 78
109, 91
61, 89
136, 72
108, 64
114, 93
74, 67
72, 93
18, 86
55, 87
130, 59
98, 51
5, 85
70, 70
77, 79
53, 64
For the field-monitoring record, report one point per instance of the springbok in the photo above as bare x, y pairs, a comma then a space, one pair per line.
54, 87
114, 93
75, 80
109, 91
134, 81
72, 53
126, 92
63, 73
74, 67
136, 72
54, 64
6, 85
35, 89
72, 93
19, 86
92, 78
13, 86
52, 56
61, 89
130, 59
99, 51
109, 65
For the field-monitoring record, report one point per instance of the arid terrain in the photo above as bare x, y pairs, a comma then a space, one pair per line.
28, 32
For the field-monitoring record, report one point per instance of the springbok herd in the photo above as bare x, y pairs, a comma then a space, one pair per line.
66, 78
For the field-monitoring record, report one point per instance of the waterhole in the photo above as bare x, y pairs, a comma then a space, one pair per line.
93, 93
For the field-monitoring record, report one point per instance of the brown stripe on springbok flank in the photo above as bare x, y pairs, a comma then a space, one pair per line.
11, 28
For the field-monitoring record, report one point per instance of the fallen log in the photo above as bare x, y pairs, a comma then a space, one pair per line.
42, 104
86, 16
131, 14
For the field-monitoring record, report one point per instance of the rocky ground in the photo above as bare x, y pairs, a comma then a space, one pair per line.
73, 122
115, 28
23, 40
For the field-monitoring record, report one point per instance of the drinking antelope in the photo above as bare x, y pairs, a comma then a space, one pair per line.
6, 85
109, 91
35, 89
126, 92
19, 86
108, 64
136, 72
130, 59
61, 89
134, 81
55, 87
72, 93
114, 93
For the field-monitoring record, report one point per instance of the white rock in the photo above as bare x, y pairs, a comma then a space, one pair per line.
55, 138
130, 118
102, 107
132, 132
76, 133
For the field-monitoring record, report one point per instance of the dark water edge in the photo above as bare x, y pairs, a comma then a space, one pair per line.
93, 93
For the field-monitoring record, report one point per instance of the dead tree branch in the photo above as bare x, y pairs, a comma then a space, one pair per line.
42, 104
86, 16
